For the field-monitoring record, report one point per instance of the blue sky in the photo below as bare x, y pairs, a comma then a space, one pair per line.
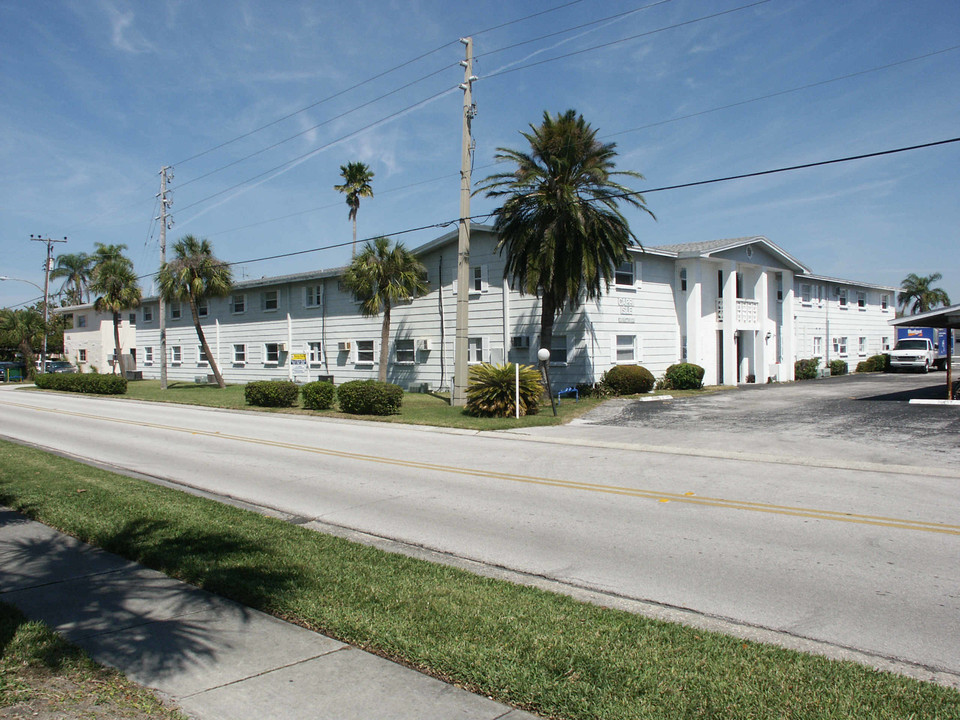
99, 94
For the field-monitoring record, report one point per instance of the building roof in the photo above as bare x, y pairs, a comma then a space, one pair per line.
947, 317
711, 247
841, 281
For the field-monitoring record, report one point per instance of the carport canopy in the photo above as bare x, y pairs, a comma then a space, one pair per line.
947, 317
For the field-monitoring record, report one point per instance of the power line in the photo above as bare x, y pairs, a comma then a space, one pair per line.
783, 92
571, 29
365, 82
728, 178
623, 40
318, 149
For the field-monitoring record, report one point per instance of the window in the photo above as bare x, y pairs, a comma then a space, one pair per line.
626, 348
683, 279
238, 304
271, 353
862, 345
201, 356
312, 295
842, 297
806, 294
861, 300
239, 354
133, 318
884, 302
148, 356
406, 352
82, 355
558, 349
147, 314
203, 308
840, 346
271, 301
885, 344
779, 286
623, 277
364, 352
520, 346
176, 355
475, 350
818, 347
175, 311
476, 284
316, 353
81, 321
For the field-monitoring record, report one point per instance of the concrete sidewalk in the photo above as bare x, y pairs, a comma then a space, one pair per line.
212, 657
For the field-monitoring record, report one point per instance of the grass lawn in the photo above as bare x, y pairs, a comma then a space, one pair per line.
41, 675
417, 409
541, 651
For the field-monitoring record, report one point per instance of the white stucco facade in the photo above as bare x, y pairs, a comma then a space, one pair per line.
734, 307
89, 343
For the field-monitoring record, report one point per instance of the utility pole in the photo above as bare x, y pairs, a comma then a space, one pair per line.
461, 342
47, 267
166, 175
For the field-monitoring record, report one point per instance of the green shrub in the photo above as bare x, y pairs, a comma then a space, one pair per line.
318, 395
271, 393
874, 363
684, 376
492, 390
839, 367
369, 397
628, 380
806, 369
91, 383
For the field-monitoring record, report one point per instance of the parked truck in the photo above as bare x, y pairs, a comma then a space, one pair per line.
919, 349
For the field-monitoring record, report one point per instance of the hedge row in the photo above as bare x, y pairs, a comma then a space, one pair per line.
359, 397
82, 383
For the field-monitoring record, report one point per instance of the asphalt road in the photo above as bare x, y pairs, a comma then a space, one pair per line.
743, 506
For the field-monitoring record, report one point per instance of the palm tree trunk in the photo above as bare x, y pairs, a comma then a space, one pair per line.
353, 250
548, 311
118, 351
384, 343
203, 343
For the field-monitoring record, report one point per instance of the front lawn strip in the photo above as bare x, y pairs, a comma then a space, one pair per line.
541, 651
41, 674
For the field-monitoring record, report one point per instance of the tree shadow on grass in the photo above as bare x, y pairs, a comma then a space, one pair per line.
125, 615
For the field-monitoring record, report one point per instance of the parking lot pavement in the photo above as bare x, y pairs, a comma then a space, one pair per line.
843, 420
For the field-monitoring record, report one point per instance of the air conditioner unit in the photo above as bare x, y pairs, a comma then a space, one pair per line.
282, 346
344, 346
425, 344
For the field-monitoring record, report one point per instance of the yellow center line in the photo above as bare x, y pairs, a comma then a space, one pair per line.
770, 508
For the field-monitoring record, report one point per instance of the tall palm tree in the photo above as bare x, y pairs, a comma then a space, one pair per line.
116, 287
356, 184
194, 275
560, 224
75, 269
917, 289
381, 276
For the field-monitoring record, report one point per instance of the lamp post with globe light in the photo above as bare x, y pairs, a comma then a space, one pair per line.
543, 354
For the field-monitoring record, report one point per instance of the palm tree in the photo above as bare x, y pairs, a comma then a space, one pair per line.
75, 268
194, 275
22, 329
356, 184
917, 289
115, 284
560, 224
381, 276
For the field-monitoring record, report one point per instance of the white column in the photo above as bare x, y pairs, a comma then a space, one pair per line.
694, 319
506, 321
729, 323
789, 329
763, 351
289, 346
